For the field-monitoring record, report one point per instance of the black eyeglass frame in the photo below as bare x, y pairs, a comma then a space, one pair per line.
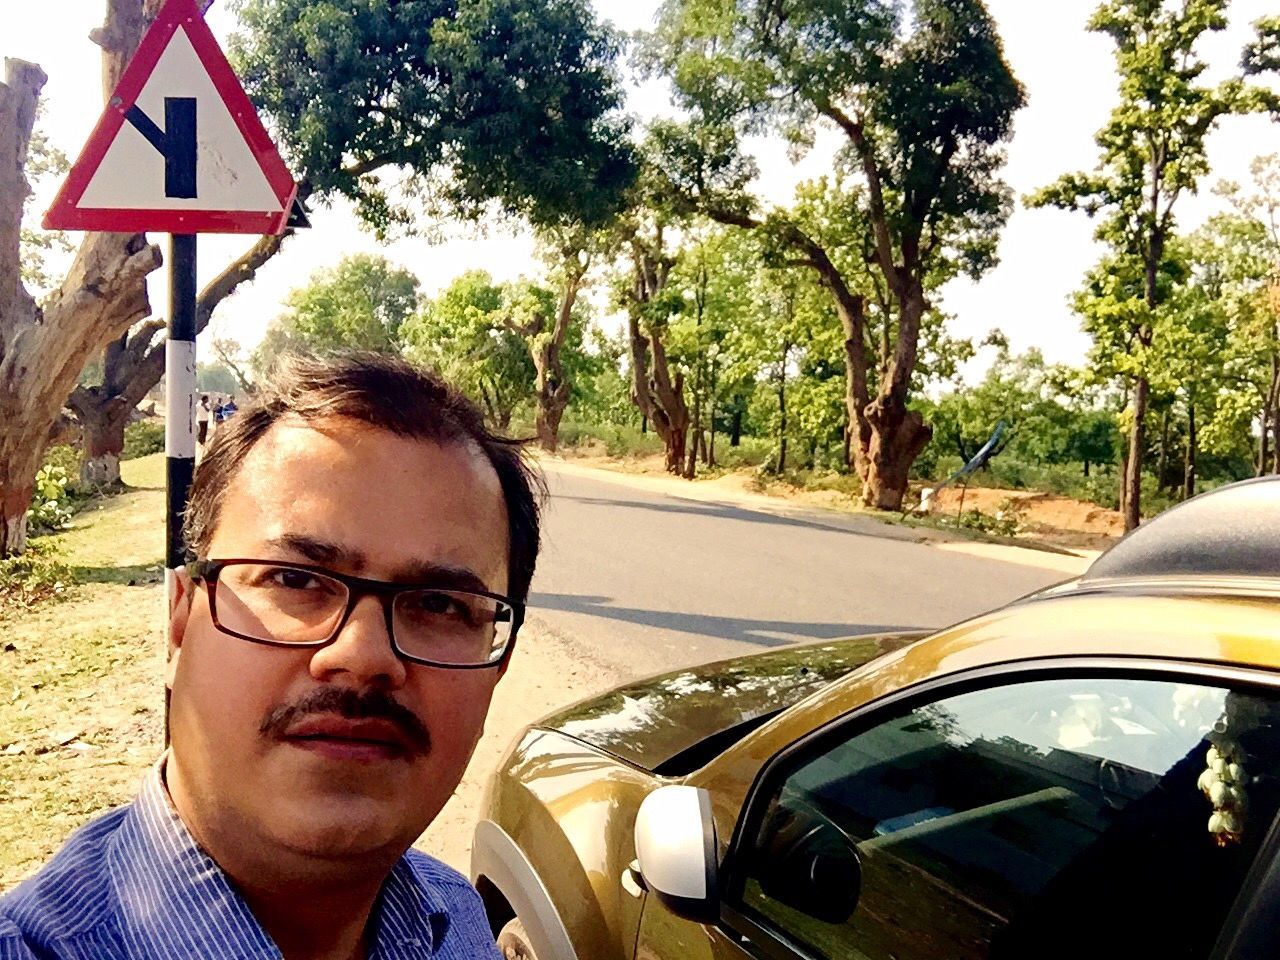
357, 588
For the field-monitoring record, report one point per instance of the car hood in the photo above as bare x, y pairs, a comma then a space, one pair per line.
673, 723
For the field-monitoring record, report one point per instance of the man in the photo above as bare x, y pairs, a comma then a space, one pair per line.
202, 419
332, 654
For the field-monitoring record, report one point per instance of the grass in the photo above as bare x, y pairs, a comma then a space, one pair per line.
81, 681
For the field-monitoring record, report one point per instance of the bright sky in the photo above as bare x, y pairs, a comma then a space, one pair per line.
1067, 71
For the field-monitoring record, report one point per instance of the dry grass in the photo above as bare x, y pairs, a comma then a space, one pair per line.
81, 694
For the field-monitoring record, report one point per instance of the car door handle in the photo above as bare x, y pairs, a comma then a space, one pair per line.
633, 880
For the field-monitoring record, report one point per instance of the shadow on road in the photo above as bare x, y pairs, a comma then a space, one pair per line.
857, 526
764, 633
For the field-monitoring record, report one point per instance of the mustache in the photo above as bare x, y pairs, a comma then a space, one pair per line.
350, 705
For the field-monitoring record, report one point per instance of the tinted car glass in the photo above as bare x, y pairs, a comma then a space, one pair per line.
1058, 818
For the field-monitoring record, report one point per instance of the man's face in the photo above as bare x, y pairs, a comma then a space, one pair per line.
361, 501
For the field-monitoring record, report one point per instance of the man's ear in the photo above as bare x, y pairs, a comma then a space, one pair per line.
181, 591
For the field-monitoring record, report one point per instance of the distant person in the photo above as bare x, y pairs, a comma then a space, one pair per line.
202, 419
326, 693
229, 409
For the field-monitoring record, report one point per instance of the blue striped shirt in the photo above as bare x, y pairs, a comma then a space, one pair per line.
135, 884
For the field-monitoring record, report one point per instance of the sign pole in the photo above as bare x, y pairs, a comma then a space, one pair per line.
180, 387
180, 413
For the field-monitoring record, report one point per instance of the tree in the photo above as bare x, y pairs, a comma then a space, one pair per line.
924, 103
657, 385
1153, 151
43, 161
43, 347
460, 334
512, 103
1240, 252
542, 320
229, 355
1262, 54
360, 304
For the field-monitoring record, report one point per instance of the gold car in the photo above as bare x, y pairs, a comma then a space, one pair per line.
1092, 772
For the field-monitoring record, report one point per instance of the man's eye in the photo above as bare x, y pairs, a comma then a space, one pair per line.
436, 603
293, 579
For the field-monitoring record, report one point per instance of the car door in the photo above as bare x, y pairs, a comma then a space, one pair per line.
1101, 810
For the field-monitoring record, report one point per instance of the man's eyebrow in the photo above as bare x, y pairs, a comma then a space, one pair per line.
425, 572
441, 575
317, 550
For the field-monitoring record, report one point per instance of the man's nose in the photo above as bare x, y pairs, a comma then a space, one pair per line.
362, 651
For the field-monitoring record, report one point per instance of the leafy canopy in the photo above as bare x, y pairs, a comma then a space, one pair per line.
513, 102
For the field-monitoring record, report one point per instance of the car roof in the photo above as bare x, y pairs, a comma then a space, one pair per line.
1233, 531
1199, 582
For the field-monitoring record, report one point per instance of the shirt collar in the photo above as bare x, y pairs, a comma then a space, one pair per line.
175, 900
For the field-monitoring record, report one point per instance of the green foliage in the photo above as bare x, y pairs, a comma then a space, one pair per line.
1006, 522
513, 102
49, 511
44, 160
66, 458
460, 334
1262, 54
358, 305
143, 438
34, 577
216, 378
1045, 418
621, 440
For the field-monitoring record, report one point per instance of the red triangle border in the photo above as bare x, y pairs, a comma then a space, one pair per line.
66, 213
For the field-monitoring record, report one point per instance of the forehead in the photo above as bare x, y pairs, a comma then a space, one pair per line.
389, 503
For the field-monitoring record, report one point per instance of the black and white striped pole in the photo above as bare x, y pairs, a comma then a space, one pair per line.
180, 393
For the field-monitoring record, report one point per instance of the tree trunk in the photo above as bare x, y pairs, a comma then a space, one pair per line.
1264, 442
1133, 462
103, 445
1189, 466
692, 468
1086, 467
43, 350
1162, 465
735, 429
782, 416
658, 396
550, 411
898, 435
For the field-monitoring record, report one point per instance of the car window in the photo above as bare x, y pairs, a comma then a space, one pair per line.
1059, 818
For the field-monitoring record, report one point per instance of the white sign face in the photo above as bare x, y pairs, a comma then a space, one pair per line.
227, 175
179, 148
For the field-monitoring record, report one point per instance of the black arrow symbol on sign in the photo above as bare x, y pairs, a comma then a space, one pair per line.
176, 143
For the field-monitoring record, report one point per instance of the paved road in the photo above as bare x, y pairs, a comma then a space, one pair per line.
645, 582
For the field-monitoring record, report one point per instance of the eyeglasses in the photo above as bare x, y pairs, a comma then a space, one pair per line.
300, 605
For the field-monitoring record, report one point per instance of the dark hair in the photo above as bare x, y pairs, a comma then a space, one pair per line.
388, 393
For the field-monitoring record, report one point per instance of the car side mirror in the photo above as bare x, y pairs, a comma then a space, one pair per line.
676, 850
807, 863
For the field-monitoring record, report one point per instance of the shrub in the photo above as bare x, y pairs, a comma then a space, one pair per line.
50, 504
142, 439
34, 577
999, 524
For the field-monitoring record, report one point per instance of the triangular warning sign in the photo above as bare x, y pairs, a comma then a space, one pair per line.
180, 148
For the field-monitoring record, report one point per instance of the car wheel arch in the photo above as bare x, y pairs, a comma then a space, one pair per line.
511, 887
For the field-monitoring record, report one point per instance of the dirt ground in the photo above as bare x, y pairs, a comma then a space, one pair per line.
1045, 517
